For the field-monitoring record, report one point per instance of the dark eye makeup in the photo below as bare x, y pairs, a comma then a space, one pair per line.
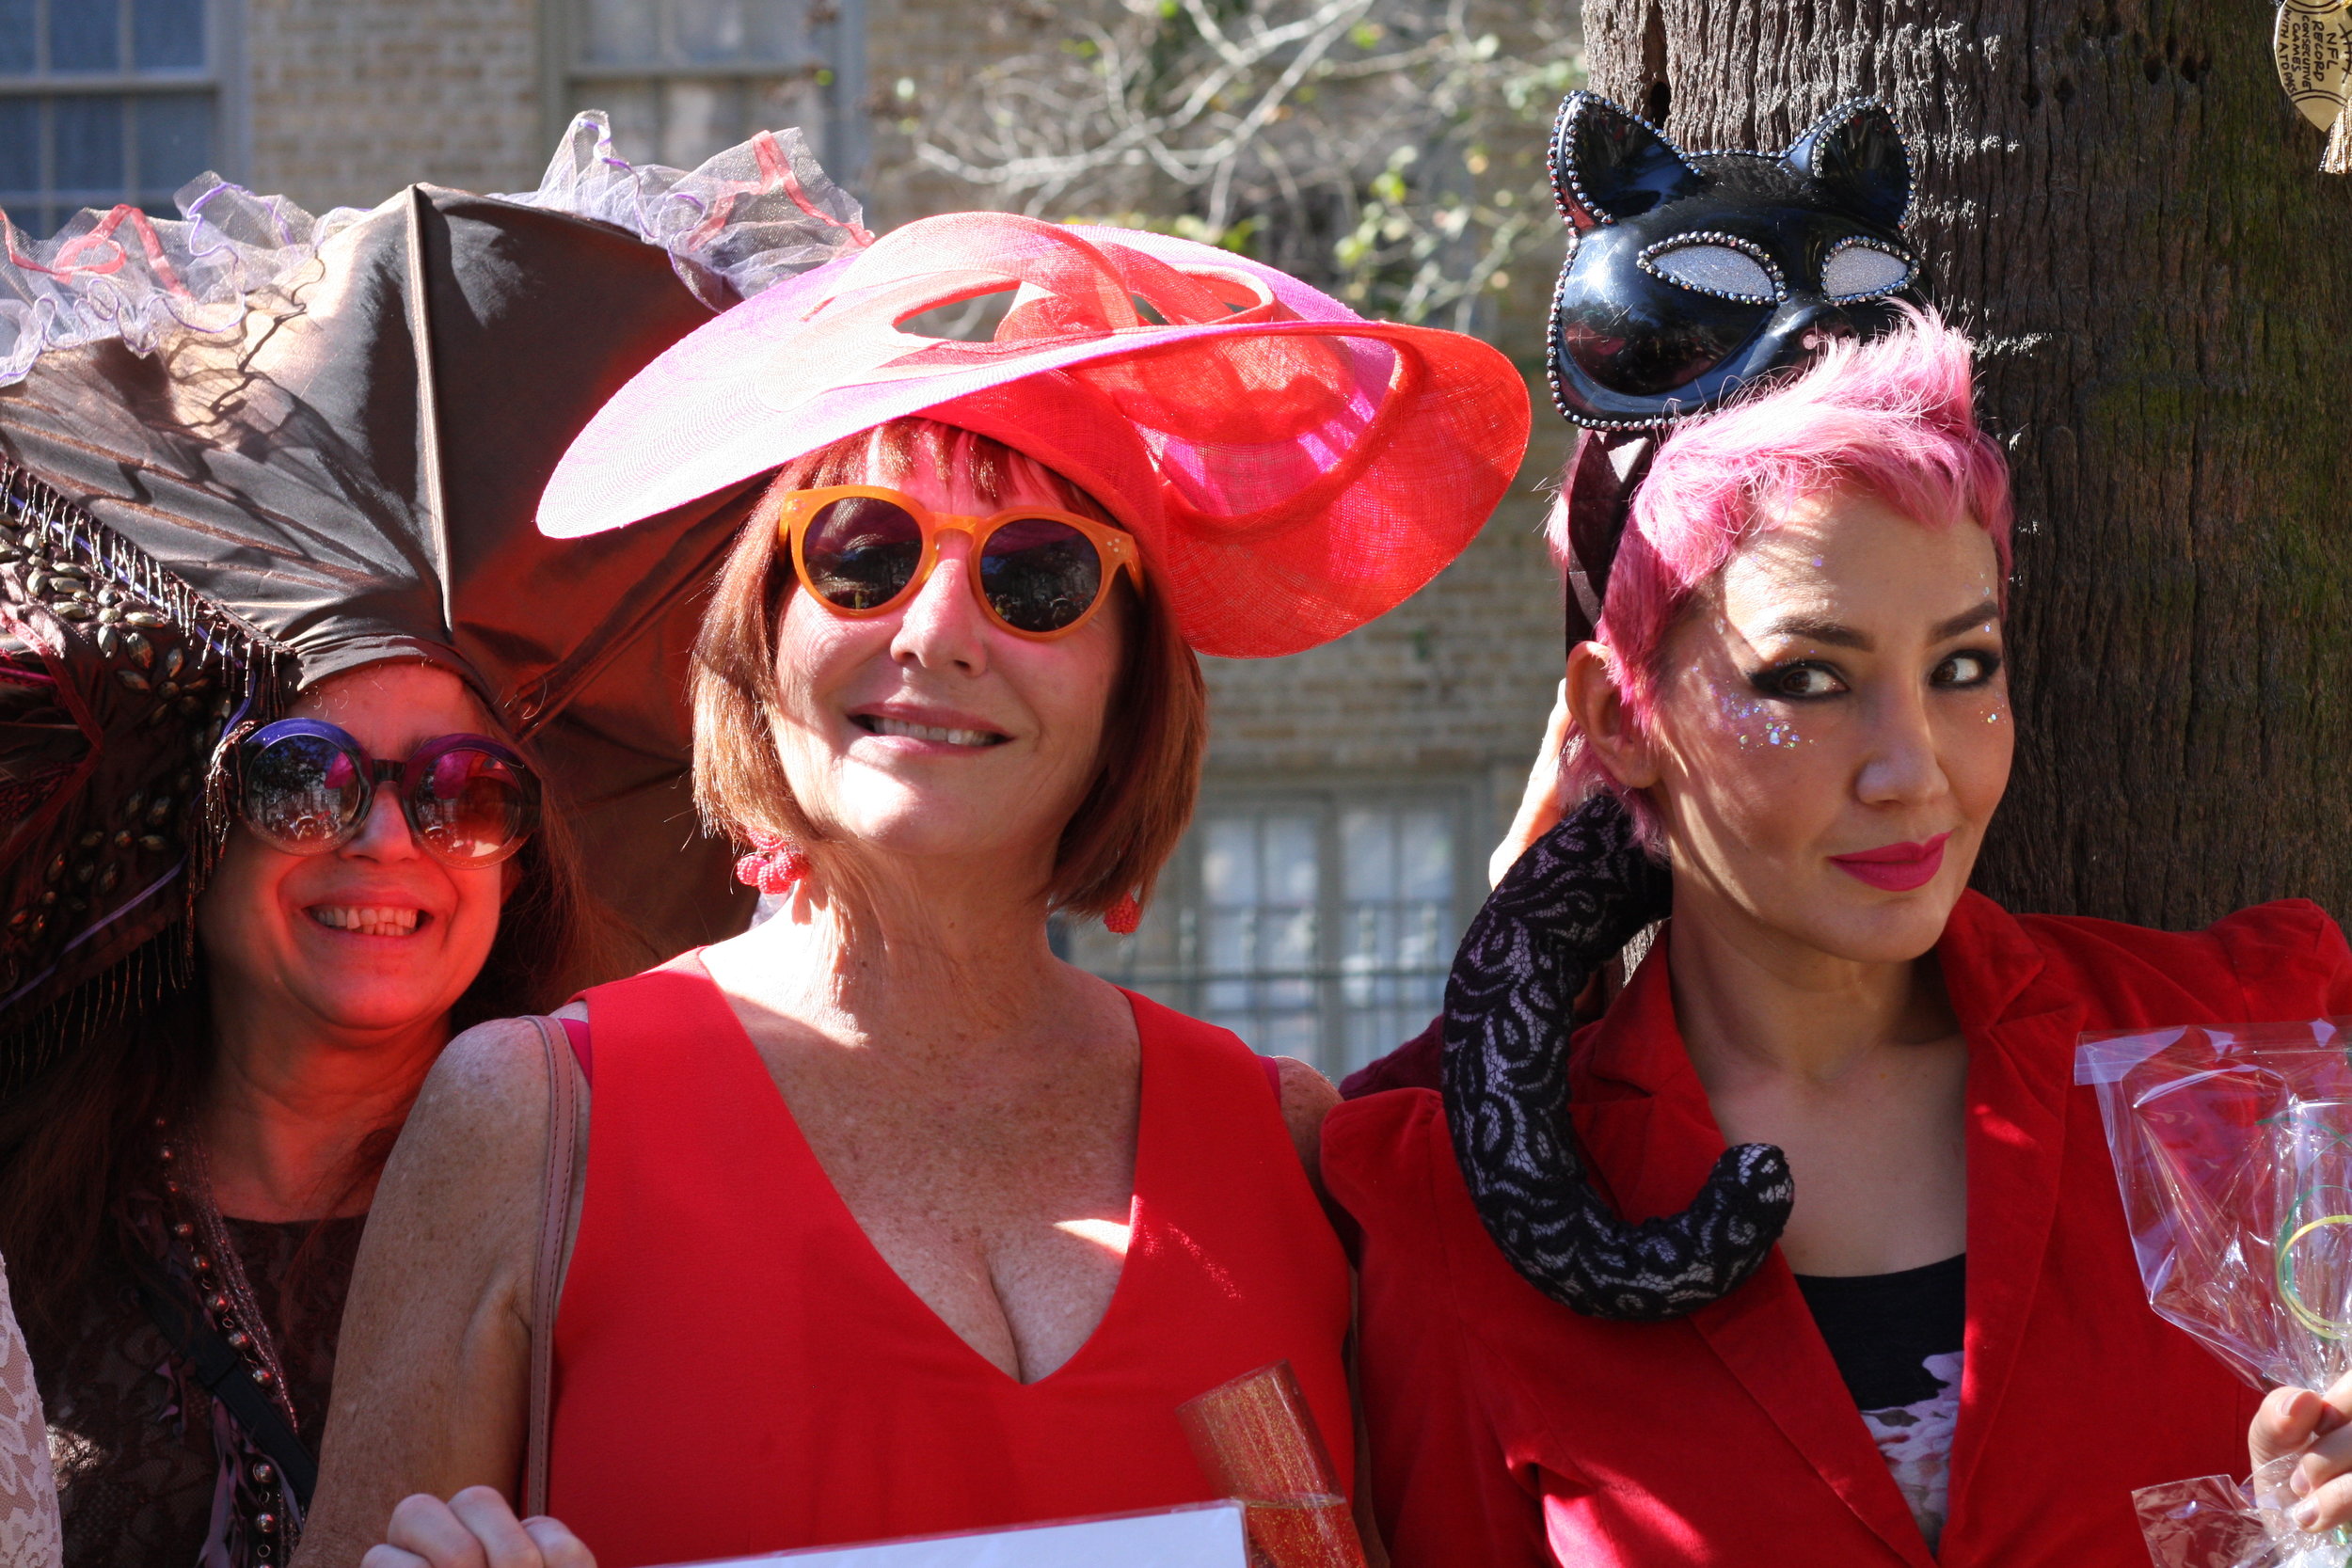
1810, 680
1800, 680
1970, 667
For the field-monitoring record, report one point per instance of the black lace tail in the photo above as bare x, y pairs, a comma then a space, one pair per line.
1568, 906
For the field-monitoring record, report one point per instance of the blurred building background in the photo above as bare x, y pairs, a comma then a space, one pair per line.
1388, 149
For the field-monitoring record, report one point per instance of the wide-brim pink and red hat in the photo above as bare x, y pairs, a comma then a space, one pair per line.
1290, 469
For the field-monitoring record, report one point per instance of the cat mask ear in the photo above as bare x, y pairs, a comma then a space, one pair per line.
1607, 164
1855, 151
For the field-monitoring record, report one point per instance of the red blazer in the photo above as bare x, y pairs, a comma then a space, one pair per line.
1507, 1430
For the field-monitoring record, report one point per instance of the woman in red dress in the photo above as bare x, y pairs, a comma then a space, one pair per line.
1796, 687
891, 1222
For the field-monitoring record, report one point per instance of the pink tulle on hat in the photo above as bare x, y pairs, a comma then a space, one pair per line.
1290, 469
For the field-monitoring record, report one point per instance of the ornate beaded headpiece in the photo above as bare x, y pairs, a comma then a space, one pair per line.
116, 682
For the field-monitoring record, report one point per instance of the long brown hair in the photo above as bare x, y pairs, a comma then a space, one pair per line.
1146, 771
78, 1138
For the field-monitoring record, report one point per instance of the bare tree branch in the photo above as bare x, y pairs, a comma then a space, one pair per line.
1389, 150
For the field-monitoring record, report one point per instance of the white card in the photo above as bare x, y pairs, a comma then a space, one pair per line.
1209, 1535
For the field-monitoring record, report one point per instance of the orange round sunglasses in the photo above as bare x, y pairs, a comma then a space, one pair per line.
865, 549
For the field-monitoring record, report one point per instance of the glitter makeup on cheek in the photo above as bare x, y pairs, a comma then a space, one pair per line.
1755, 722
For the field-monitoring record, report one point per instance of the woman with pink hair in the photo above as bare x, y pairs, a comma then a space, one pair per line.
1903, 1323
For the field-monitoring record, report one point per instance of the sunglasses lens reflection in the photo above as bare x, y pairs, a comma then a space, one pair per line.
1040, 575
303, 792
472, 805
862, 552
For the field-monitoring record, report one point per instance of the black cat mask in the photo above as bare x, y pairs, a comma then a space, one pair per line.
1691, 274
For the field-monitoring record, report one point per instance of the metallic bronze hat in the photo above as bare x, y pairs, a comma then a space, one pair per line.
347, 471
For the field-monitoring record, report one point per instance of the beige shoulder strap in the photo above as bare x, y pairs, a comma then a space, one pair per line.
555, 1204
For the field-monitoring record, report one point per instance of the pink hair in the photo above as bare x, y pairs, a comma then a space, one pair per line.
1895, 418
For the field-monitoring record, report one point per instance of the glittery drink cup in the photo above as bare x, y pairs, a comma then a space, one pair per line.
1256, 1441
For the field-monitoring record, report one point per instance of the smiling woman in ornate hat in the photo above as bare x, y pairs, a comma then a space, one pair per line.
890, 1222
284, 664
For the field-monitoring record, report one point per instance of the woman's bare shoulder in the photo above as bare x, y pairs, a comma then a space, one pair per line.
482, 1114
1308, 1097
495, 1068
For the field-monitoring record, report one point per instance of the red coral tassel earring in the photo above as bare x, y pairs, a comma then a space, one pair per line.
775, 865
1123, 918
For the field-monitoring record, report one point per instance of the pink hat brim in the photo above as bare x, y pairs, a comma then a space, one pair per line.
1264, 546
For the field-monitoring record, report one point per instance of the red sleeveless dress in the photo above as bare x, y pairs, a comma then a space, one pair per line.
737, 1371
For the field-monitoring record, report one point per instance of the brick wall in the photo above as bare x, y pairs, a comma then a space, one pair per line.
934, 47
350, 100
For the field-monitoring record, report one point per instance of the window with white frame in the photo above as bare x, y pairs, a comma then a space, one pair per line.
683, 79
104, 102
1315, 923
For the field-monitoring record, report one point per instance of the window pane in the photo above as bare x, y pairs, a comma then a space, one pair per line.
708, 32
1287, 1034
1240, 1023
83, 36
19, 151
166, 35
1256, 954
620, 32
1290, 860
1398, 926
693, 32
1286, 940
16, 39
781, 33
1425, 842
1228, 941
89, 134
1229, 860
1421, 937
1368, 853
175, 142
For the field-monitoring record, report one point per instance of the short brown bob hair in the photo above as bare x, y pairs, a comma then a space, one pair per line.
1146, 776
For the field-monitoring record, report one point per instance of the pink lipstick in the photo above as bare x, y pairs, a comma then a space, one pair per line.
1895, 867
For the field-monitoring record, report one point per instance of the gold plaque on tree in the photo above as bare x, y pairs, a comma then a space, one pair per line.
2313, 45
2314, 42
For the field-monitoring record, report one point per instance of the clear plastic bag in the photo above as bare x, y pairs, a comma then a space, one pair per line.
2234, 1151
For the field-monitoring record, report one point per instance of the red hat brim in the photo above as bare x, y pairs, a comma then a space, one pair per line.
1290, 469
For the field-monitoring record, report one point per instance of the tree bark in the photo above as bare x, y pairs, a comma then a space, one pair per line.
2118, 200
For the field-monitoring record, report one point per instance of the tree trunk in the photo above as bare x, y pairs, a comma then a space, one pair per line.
2117, 199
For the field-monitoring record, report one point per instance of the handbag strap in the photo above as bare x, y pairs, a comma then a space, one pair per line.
555, 1205
223, 1375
